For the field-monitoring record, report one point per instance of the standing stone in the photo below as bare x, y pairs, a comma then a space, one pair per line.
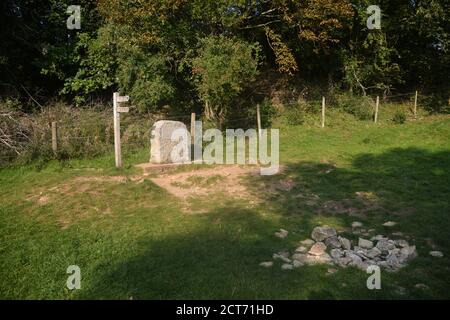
170, 142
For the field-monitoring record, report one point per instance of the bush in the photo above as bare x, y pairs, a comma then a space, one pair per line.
295, 116
360, 106
85, 132
399, 117
223, 70
438, 102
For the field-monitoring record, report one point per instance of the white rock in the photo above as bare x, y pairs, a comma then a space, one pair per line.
357, 224
297, 264
301, 257
307, 242
344, 261
393, 262
336, 253
379, 237
346, 244
287, 266
372, 253
281, 234
421, 286
322, 233
436, 254
408, 253
385, 245
331, 270
266, 264
322, 259
301, 249
365, 244
389, 224
333, 242
401, 243
281, 257
317, 249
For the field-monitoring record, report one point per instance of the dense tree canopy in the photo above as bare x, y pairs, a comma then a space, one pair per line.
207, 53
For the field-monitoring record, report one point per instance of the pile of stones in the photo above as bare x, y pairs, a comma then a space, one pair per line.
327, 247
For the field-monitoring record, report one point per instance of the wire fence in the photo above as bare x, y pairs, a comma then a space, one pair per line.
73, 138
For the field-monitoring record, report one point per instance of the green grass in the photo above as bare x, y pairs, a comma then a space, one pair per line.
135, 240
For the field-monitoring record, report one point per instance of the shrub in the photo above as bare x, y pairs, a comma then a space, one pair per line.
359, 106
399, 117
84, 132
438, 102
295, 116
223, 69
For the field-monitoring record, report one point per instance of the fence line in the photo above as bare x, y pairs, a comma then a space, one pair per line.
60, 134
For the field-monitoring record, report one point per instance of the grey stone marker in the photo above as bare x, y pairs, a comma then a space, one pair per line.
170, 142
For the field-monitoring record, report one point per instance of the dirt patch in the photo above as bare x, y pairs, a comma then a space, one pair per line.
79, 185
204, 182
43, 200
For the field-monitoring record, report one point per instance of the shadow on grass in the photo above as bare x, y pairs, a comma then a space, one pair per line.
219, 260
410, 186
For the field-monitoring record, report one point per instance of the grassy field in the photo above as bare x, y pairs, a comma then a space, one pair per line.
134, 240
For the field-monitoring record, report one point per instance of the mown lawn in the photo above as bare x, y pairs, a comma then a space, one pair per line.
135, 240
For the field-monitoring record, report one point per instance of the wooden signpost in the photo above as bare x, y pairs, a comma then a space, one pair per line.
377, 105
117, 111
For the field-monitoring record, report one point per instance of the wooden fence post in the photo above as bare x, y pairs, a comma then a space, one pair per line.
192, 136
258, 120
323, 112
192, 127
415, 105
54, 137
377, 104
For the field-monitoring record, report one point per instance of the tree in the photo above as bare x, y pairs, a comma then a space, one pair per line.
223, 68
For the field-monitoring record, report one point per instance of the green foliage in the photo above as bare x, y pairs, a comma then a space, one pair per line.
152, 49
294, 116
360, 106
97, 61
146, 79
438, 101
223, 69
399, 117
